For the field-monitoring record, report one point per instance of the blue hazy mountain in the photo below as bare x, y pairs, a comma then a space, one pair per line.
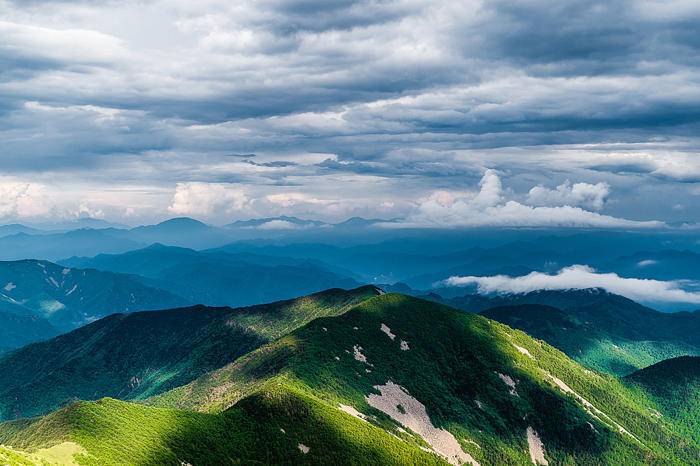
183, 231
76, 224
17, 330
89, 237
373, 254
285, 222
421, 258
217, 278
551, 253
54, 246
67, 298
15, 228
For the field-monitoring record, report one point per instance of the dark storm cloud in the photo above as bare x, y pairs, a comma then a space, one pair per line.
274, 164
292, 16
589, 37
534, 32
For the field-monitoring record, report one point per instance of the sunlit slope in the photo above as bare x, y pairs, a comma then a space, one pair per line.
482, 381
395, 380
274, 426
133, 356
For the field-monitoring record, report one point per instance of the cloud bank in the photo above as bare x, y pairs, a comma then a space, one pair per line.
490, 207
582, 277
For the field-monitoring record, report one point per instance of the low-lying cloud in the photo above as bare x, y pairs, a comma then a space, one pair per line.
581, 277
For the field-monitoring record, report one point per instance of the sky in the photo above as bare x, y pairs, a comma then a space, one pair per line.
439, 113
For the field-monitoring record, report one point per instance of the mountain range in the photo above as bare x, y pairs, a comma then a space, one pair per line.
89, 237
133, 356
389, 380
150, 345
674, 387
218, 278
17, 330
49, 295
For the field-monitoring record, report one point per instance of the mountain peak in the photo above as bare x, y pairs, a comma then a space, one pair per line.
182, 222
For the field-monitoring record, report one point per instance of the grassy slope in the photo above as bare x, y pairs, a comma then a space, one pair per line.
137, 355
452, 363
296, 384
11, 457
116, 432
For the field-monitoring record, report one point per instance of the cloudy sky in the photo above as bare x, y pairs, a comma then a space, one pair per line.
443, 113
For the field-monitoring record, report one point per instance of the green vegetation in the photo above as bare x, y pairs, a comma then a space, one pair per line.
137, 355
11, 457
452, 367
603, 331
264, 429
471, 385
674, 388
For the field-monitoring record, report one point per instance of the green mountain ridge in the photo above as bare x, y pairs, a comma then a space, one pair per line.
601, 330
136, 355
393, 380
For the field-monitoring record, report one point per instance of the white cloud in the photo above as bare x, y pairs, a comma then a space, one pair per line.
23, 200
293, 199
488, 207
85, 210
581, 277
206, 199
63, 45
667, 164
490, 192
578, 194
278, 225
